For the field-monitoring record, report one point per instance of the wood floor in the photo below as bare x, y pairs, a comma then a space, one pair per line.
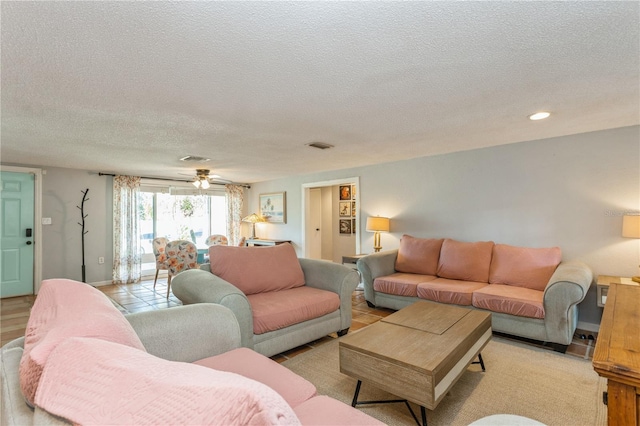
129, 298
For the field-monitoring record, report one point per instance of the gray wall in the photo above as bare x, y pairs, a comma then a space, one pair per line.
61, 241
568, 192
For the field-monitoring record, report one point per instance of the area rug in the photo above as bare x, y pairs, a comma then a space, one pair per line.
552, 388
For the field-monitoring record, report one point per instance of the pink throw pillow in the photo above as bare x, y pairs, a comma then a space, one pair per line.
465, 261
63, 309
96, 382
524, 267
257, 269
418, 255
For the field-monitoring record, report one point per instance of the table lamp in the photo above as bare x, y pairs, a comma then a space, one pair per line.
631, 229
377, 224
253, 219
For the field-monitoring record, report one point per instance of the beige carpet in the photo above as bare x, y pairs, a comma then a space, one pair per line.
553, 388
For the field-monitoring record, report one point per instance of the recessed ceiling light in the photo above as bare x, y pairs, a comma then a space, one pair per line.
539, 115
196, 159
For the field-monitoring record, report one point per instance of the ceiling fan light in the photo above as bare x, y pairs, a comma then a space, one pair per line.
196, 183
204, 184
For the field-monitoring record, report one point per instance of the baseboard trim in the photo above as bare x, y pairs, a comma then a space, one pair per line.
587, 326
101, 283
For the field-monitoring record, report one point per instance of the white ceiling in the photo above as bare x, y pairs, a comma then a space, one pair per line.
131, 87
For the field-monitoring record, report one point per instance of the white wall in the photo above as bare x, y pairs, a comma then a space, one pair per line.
568, 191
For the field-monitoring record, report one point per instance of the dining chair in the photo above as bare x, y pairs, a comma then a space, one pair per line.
159, 245
181, 255
216, 240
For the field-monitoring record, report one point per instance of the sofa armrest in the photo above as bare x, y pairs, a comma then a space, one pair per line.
334, 277
373, 266
567, 287
198, 286
187, 333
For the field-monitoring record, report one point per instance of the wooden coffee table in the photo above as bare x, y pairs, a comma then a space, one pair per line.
417, 353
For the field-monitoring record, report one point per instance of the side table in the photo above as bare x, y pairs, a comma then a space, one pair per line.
603, 286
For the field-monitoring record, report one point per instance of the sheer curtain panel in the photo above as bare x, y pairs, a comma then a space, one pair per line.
235, 198
126, 240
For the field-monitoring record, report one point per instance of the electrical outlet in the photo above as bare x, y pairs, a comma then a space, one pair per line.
101, 260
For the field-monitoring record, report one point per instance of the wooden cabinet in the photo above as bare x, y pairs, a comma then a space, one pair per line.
617, 354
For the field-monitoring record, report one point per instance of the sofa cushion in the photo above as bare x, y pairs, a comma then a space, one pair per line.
442, 290
279, 309
522, 266
465, 261
92, 381
322, 411
257, 269
418, 255
400, 284
66, 308
520, 301
293, 388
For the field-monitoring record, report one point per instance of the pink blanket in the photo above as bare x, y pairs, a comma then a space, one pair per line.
92, 381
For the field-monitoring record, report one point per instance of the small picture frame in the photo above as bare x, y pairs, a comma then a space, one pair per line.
344, 208
353, 192
353, 209
345, 192
353, 226
345, 226
273, 207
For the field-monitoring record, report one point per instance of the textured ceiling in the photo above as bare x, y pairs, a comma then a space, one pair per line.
131, 87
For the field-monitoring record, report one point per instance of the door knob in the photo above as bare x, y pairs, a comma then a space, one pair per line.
317, 229
29, 243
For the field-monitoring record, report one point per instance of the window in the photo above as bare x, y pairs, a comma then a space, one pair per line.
178, 213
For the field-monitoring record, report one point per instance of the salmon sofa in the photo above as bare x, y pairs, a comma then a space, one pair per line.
530, 292
280, 301
83, 362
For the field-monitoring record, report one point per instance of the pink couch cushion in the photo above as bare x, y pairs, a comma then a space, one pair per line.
400, 284
442, 290
280, 309
293, 388
257, 269
92, 381
465, 261
520, 301
418, 255
63, 309
322, 411
522, 266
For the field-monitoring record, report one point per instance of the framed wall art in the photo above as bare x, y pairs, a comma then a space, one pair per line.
345, 226
344, 208
273, 207
345, 192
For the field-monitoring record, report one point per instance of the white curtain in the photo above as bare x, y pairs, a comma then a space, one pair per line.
126, 241
235, 198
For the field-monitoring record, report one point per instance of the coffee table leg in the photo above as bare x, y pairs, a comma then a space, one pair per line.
423, 412
355, 395
480, 361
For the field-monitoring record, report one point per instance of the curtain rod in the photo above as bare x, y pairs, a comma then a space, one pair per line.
245, 185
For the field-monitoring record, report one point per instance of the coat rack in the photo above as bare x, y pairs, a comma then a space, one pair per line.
81, 207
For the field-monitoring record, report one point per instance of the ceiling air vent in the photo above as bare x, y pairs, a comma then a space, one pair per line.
320, 145
195, 159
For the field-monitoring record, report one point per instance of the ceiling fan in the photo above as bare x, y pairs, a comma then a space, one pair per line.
202, 178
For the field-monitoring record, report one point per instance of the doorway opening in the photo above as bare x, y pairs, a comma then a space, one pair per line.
331, 219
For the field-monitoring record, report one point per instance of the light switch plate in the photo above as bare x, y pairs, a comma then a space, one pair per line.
46, 221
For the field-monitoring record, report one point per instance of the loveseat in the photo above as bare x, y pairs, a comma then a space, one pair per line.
83, 362
531, 292
280, 301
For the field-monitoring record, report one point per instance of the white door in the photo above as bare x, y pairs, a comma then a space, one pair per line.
314, 225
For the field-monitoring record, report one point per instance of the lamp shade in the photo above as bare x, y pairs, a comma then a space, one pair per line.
631, 226
253, 218
377, 224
